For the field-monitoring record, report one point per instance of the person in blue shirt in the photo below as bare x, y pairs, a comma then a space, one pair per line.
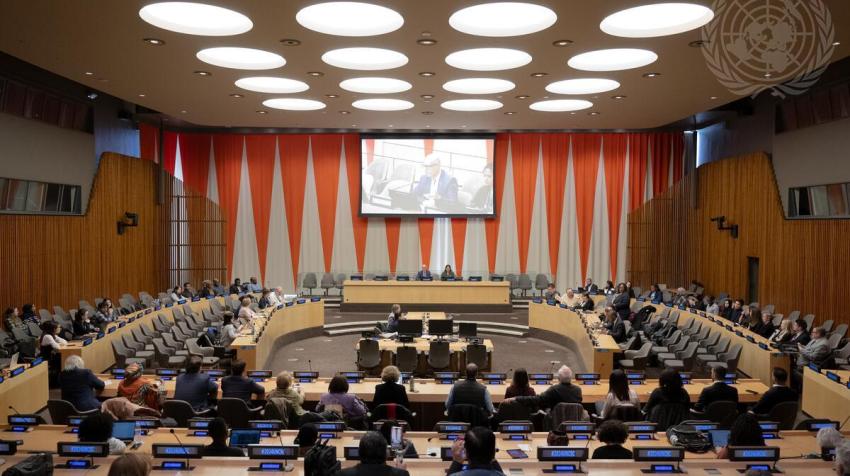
252, 286
436, 183
239, 386
195, 387
79, 384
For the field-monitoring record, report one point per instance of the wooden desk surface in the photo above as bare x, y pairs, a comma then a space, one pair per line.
421, 315
427, 391
432, 284
423, 345
824, 398
274, 324
46, 437
596, 353
27, 392
427, 292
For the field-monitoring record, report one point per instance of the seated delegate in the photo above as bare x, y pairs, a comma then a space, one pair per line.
79, 384
219, 447
239, 386
470, 392
390, 390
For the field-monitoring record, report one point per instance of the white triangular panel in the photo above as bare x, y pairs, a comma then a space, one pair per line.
507, 248
648, 186
442, 249
278, 256
212, 182
475, 249
344, 259
670, 165
599, 258
246, 261
624, 224
180, 225
311, 259
538, 243
376, 259
409, 254
569, 261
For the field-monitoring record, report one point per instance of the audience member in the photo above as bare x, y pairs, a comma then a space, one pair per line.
393, 318
217, 288
195, 387
816, 351
337, 394
102, 317
746, 431
390, 390
12, 320
239, 386
139, 389
716, 392
783, 334
219, 447
79, 384
670, 390
236, 287
206, 289
285, 390
82, 324
614, 325
28, 314
609, 289
188, 291
619, 394
229, 331
736, 311
177, 294
655, 294
265, 299
765, 326
479, 446
406, 445
373, 458
306, 438
829, 438
569, 298
97, 428
245, 312
252, 286
711, 305
130, 464
778, 393
589, 287
613, 433
801, 333
585, 303
51, 344
551, 293
470, 392
519, 386
621, 303
842, 459
562, 392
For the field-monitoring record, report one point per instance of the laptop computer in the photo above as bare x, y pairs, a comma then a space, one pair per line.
241, 438
13, 362
124, 430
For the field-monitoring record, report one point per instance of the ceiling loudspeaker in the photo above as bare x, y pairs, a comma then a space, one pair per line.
129, 219
721, 225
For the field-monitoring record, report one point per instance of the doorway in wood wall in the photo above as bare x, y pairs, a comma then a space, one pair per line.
752, 279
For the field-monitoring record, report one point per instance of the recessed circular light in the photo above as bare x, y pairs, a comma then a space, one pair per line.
332, 96
154, 41
349, 19
562, 43
561, 105
262, 112
270, 84
713, 98
195, 18
315, 74
427, 74
502, 19
183, 111
478, 86
142, 95
382, 104
523, 96
651, 75
364, 58
488, 59
593, 113
510, 113
836, 43
427, 97
612, 60
618, 97
471, 105
426, 41
203, 73
375, 85
344, 112
241, 58
428, 113
294, 104
290, 42
583, 86
659, 19
538, 75
236, 95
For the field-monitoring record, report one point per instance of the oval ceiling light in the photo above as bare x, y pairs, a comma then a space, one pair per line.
479, 86
660, 19
615, 59
268, 84
375, 85
349, 19
195, 18
294, 104
583, 86
241, 58
561, 105
364, 58
471, 105
488, 59
503, 19
382, 104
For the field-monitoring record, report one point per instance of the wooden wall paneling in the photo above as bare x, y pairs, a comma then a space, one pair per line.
804, 264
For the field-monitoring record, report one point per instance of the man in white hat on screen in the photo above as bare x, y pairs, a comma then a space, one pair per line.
436, 183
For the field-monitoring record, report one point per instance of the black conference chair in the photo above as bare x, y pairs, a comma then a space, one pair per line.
439, 355
61, 410
406, 358
368, 355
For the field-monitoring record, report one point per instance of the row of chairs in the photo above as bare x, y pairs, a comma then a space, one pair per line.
407, 357
518, 282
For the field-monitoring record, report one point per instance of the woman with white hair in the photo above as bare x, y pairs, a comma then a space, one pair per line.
842, 459
79, 385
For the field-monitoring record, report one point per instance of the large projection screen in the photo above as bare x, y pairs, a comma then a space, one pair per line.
426, 176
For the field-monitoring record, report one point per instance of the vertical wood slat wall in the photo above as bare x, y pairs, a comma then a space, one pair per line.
48, 260
804, 264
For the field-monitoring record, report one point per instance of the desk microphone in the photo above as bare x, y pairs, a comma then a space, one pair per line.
18, 413
552, 366
286, 466
310, 365
185, 451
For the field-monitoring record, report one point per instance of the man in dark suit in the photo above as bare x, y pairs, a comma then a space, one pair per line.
614, 325
470, 392
423, 273
373, 458
655, 294
736, 311
716, 392
764, 327
79, 384
436, 183
780, 392
585, 303
589, 286
801, 335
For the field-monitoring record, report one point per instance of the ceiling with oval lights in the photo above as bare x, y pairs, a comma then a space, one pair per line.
436, 65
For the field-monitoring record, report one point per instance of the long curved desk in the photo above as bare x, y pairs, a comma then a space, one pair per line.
826, 398
284, 324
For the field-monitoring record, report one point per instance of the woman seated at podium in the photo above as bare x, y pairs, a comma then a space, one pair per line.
447, 273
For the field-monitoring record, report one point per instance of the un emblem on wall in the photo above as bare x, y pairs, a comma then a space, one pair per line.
778, 45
